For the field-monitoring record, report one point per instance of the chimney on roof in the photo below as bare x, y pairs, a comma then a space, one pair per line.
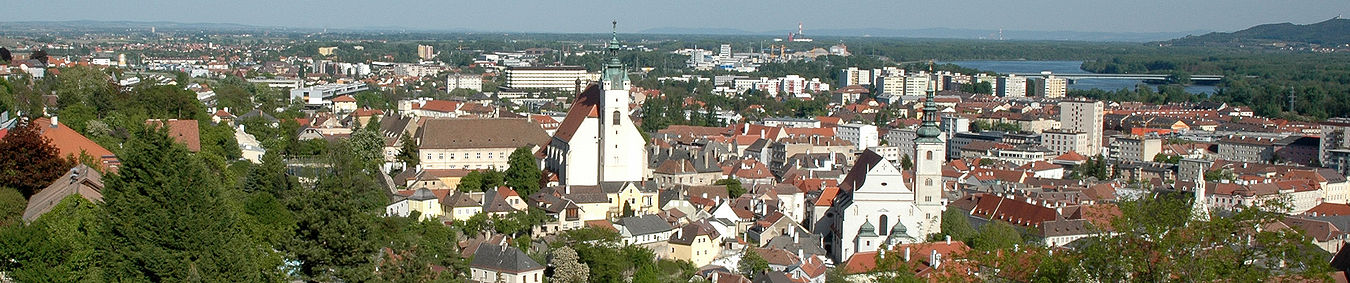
935, 259
54, 123
949, 239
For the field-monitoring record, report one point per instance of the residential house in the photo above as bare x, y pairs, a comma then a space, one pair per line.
81, 180
696, 242
504, 263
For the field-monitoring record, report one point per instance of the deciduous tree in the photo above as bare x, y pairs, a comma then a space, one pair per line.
28, 160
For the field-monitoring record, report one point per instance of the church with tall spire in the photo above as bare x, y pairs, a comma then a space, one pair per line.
879, 205
598, 142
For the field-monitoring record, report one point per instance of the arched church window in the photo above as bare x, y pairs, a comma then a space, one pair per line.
930, 155
616, 117
928, 182
883, 228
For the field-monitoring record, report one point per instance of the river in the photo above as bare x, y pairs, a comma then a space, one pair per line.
1064, 67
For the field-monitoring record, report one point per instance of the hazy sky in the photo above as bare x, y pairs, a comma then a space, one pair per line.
637, 15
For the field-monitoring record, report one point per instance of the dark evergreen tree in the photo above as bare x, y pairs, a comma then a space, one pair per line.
336, 220
165, 222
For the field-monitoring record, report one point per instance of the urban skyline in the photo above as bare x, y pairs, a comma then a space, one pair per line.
751, 16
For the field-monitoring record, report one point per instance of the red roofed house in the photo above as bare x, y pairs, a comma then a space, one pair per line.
184, 132
344, 104
72, 144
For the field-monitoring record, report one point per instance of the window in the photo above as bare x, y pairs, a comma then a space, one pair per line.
441, 156
616, 117
930, 155
928, 182
883, 225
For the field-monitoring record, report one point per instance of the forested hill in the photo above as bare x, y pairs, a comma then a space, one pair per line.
1328, 33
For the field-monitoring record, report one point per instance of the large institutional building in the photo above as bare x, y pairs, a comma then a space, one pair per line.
876, 209
598, 142
550, 78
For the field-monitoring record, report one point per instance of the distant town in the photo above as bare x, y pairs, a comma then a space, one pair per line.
177, 155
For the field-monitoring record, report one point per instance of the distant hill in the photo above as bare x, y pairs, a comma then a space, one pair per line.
946, 33
1327, 33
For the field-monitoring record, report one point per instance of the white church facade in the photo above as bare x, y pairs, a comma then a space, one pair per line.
597, 142
879, 205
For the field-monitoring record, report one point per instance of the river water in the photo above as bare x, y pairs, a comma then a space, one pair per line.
1064, 67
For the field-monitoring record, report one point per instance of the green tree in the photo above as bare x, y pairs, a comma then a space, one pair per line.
956, 225
996, 235
567, 268
12, 204
1156, 238
29, 161
523, 174
202, 240
906, 162
407, 153
59, 247
752, 263
734, 189
336, 218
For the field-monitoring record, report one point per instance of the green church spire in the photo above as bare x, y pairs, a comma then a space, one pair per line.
928, 131
615, 76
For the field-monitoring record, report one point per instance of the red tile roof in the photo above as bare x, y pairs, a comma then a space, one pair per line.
182, 131
439, 106
71, 143
344, 98
1071, 156
1329, 209
827, 196
587, 105
1015, 211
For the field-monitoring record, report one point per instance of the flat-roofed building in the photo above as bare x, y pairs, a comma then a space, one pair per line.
554, 78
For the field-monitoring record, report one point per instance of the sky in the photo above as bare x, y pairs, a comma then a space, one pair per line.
594, 16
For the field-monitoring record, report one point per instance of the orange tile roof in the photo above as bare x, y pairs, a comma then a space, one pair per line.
344, 98
183, 131
827, 196
71, 143
1329, 209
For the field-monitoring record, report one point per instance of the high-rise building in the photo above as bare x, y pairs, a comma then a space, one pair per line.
724, 51
1333, 149
1084, 117
1012, 86
1055, 87
894, 85
854, 76
917, 84
426, 52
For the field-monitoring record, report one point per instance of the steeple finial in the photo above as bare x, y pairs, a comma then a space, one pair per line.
928, 131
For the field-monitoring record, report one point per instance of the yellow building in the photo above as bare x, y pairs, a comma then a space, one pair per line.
695, 242
461, 206
425, 202
327, 51
639, 198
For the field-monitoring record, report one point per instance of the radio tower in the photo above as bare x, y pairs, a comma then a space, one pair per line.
799, 28
1291, 99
